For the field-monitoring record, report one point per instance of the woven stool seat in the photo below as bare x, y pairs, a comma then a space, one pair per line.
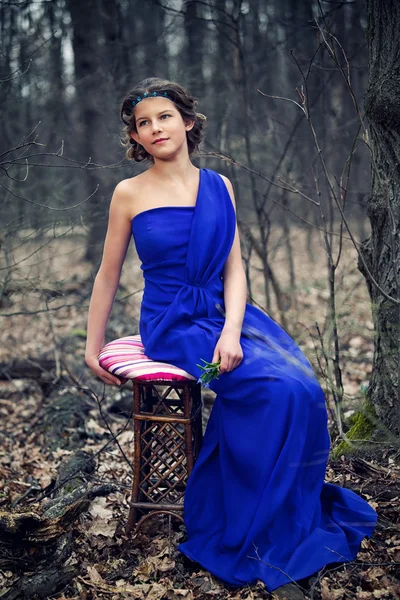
167, 427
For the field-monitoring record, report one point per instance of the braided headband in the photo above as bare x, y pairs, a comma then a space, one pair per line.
150, 95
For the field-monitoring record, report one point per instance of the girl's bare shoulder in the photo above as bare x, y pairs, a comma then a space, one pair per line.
229, 187
128, 193
132, 185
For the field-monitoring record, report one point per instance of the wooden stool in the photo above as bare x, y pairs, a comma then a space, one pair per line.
167, 428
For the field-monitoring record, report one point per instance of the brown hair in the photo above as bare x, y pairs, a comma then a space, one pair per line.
184, 102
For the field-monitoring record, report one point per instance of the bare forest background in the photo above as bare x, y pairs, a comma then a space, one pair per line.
285, 85
67, 64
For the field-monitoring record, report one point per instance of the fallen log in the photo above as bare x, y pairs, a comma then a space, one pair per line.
40, 540
22, 368
41, 585
31, 527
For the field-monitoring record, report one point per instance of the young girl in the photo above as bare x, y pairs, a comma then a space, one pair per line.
256, 504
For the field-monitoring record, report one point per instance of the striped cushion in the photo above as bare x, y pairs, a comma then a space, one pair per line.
125, 358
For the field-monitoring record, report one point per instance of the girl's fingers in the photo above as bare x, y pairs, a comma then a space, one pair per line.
104, 375
233, 364
109, 381
112, 378
108, 378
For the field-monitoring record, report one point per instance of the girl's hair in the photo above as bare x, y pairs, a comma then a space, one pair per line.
184, 102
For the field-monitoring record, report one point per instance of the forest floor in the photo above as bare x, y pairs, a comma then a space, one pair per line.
62, 528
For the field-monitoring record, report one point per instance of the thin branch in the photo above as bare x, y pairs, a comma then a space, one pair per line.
49, 207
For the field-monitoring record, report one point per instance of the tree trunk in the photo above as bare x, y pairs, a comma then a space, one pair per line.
382, 250
194, 48
89, 81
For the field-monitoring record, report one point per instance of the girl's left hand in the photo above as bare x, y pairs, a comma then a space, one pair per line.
229, 350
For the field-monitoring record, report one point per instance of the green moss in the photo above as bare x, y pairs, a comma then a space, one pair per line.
81, 333
363, 425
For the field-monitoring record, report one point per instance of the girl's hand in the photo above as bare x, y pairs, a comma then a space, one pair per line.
229, 350
108, 378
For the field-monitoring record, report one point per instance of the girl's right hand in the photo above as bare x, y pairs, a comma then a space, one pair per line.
108, 378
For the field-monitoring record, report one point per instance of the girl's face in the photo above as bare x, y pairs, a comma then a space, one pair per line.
157, 118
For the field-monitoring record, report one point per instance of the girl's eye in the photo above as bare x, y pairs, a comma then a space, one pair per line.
145, 121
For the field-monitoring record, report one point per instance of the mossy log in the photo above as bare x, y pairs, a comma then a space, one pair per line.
363, 426
30, 527
39, 541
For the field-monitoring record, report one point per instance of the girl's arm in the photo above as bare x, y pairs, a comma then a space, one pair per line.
228, 348
235, 283
108, 276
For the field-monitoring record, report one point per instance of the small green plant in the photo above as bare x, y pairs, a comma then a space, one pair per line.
211, 371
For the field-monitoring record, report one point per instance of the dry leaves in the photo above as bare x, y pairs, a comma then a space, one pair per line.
148, 566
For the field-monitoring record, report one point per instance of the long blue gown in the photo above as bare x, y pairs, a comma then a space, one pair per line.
256, 505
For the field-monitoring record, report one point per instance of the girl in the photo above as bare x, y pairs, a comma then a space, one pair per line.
256, 504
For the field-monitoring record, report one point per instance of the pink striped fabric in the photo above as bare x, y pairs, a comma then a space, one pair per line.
125, 357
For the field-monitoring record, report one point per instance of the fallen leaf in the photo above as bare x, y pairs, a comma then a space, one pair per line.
98, 509
151, 565
156, 592
94, 575
326, 594
102, 527
373, 573
379, 593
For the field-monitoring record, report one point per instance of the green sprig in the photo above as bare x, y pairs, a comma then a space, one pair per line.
211, 371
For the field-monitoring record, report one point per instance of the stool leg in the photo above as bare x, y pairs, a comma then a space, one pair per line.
146, 439
198, 426
132, 518
188, 428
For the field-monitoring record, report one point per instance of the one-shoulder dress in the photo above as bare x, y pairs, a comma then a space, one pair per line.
256, 506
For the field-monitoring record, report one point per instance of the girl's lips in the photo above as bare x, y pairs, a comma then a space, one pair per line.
161, 141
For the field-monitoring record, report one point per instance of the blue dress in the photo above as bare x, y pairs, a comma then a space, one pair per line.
256, 505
